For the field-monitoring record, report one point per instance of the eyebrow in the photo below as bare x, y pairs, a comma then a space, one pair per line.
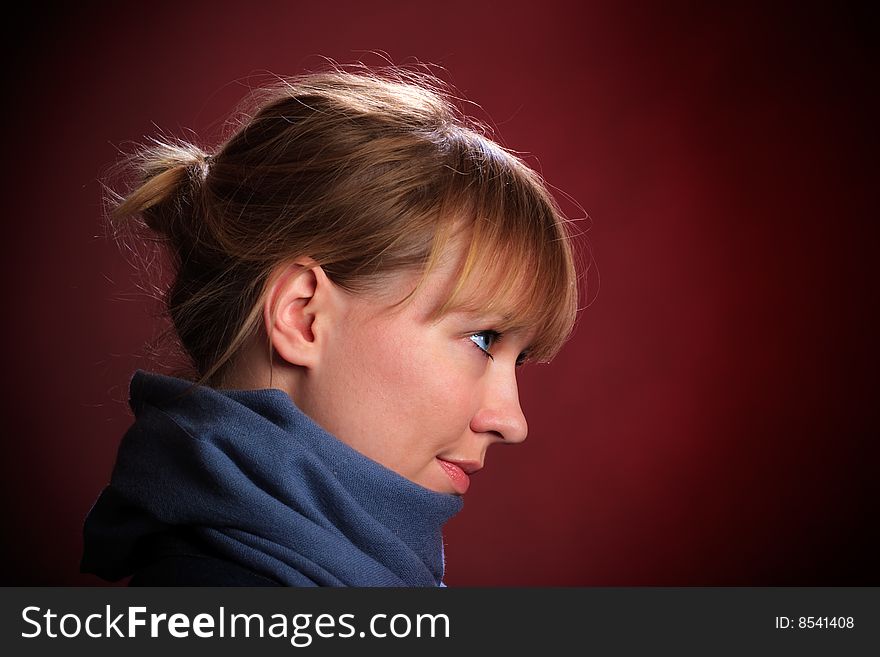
505, 322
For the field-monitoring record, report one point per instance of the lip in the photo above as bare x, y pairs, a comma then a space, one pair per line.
458, 473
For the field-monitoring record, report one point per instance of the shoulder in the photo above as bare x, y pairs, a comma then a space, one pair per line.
178, 558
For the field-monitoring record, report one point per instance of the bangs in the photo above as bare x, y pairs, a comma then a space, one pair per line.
519, 264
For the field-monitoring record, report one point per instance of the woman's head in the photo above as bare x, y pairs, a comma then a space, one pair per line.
374, 189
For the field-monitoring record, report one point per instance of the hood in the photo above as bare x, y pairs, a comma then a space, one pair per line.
264, 486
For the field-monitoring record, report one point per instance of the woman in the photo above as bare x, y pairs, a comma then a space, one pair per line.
359, 271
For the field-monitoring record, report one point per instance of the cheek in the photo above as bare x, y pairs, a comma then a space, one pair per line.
410, 381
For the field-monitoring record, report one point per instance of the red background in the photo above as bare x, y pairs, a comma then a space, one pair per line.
713, 419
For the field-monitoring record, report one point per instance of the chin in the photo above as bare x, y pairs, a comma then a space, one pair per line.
436, 482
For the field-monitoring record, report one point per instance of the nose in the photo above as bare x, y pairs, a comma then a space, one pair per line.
500, 412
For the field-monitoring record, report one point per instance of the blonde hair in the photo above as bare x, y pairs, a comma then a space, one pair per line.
370, 173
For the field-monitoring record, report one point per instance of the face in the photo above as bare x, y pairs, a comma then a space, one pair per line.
425, 400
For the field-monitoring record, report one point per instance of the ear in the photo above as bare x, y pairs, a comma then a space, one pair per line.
297, 313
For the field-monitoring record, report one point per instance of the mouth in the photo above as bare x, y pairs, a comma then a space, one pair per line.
458, 473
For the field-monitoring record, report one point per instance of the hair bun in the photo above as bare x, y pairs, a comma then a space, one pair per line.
169, 190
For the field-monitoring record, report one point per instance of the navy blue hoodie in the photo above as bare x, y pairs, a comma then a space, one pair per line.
240, 487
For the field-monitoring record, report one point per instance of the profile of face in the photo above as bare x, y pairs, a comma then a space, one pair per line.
424, 399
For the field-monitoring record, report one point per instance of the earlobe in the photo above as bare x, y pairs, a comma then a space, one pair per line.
290, 312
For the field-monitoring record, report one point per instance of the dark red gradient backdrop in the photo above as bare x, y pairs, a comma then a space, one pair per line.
713, 419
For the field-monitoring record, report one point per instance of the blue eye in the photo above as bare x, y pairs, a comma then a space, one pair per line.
484, 340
